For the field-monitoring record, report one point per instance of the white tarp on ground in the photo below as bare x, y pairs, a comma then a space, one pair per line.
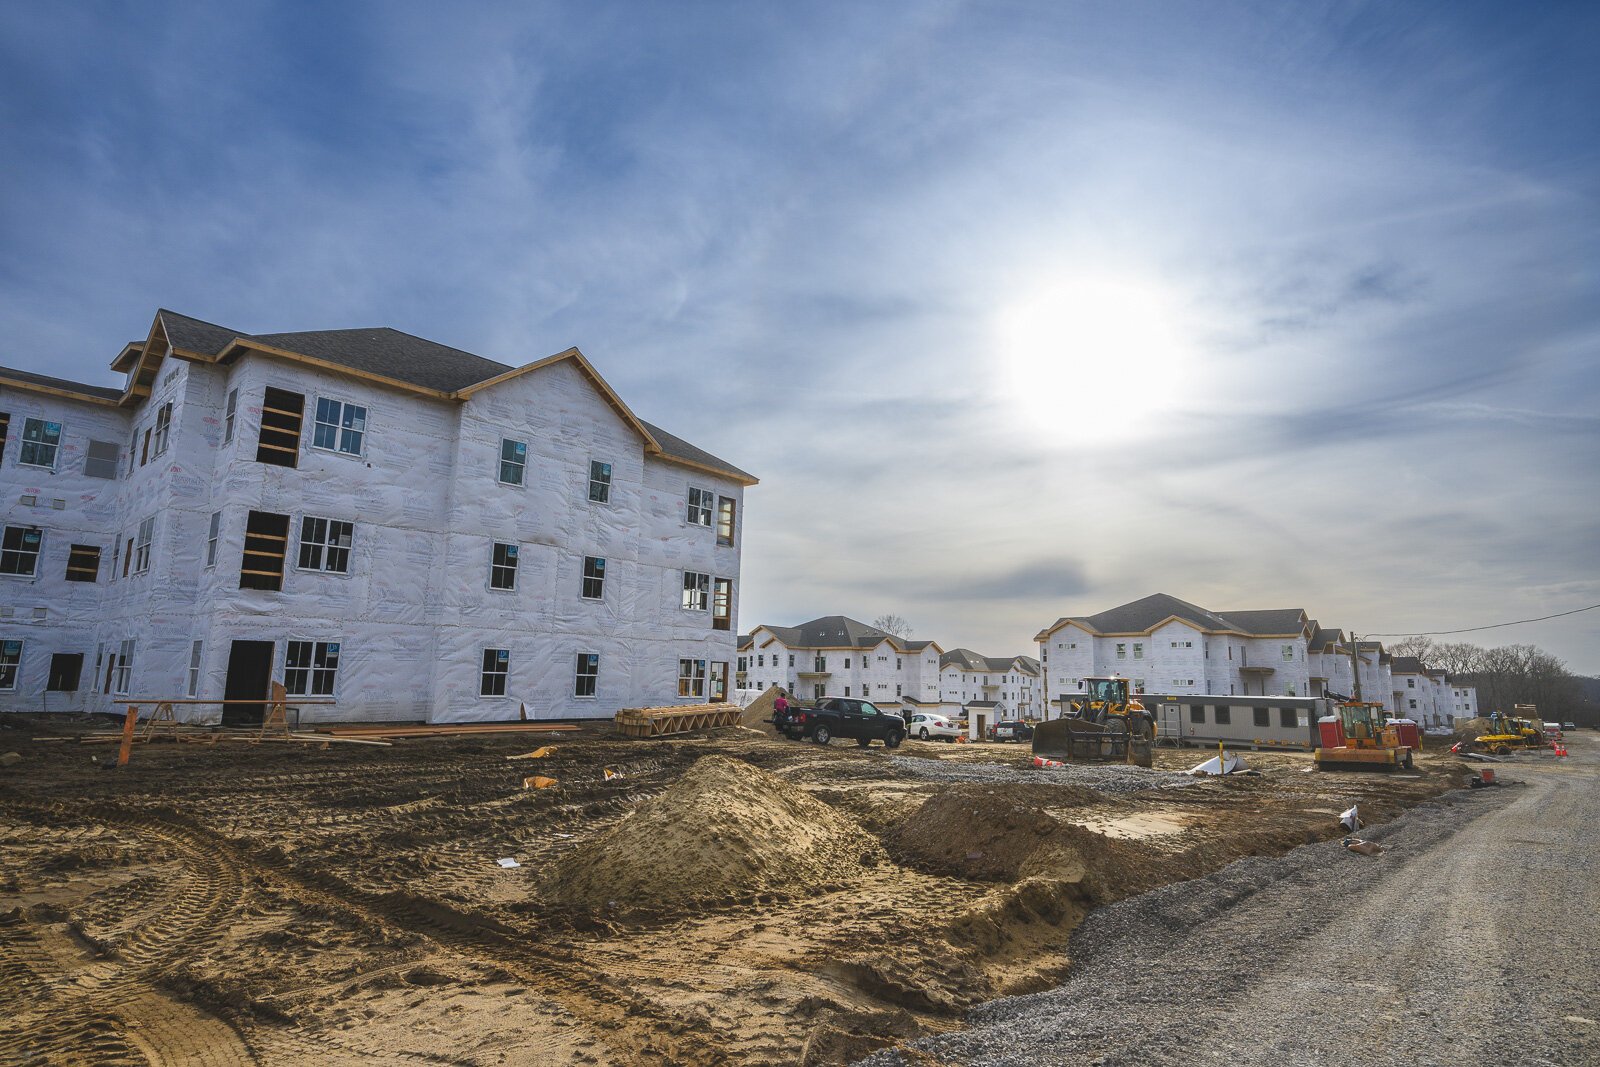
1215, 766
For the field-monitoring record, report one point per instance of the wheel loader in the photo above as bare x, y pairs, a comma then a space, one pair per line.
1506, 734
1105, 725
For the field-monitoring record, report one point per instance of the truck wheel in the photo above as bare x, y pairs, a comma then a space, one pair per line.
822, 735
894, 739
923, 733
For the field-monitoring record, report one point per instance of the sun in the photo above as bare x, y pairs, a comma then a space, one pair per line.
1088, 360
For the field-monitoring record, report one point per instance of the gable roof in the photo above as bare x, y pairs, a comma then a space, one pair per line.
839, 631
393, 357
1268, 622
1408, 665
969, 660
1142, 616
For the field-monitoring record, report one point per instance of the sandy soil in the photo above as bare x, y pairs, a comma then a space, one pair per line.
233, 904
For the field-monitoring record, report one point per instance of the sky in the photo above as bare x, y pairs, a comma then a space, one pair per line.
1017, 310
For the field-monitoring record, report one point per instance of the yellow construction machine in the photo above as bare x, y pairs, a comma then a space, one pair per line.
1506, 734
1356, 737
1104, 725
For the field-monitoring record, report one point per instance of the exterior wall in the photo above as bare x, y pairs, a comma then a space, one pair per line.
414, 612
882, 674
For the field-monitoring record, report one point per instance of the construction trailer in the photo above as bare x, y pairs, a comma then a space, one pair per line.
1275, 722
412, 531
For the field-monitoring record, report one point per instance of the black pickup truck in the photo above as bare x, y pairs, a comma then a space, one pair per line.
833, 717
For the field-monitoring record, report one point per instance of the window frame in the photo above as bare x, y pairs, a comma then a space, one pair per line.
502, 659
53, 446
144, 546
340, 429
230, 415
603, 482
722, 604
122, 670
521, 465
196, 651
696, 591
699, 513
213, 536
90, 458
692, 678
598, 578
590, 660
163, 428
325, 547
77, 554
314, 669
14, 667
727, 520
21, 551
496, 565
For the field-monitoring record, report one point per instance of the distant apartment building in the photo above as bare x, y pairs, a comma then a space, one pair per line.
1428, 695
838, 656
406, 529
1002, 687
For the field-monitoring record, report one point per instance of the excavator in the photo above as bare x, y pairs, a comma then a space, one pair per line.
1104, 725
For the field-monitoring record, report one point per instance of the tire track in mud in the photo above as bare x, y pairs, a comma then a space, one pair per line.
632, 1028
108, 1010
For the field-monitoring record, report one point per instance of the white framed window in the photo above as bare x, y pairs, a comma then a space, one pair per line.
791, 659
101, 460
325, 544
122, 676
701, 504
1138, 686
310, 668
141, 550
163, 427
692, 678
820, 665
212, 536
19, 551
696, 591
41, 443
513, 461
1122, 651
194, 667
599, 482
1288, 652
496, 669
340, 427
1411, 683
503, 566
594, 578
1412, 704
230, 416
587, 678
10, 664
1138, 650
1183, 644
761, 659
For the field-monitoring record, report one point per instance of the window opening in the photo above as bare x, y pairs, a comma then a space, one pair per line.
230, 415
725, 520
282, 414
147, 533
10, 663
194, 668
266, 544
66, 670
163, 427
83, 563
722, 604
5, 432
701, 502
692, 678
211, 538
123, 671
696, 590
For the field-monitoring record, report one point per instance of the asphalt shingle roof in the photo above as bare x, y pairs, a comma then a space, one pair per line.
99, 391
837, 631
1268, 621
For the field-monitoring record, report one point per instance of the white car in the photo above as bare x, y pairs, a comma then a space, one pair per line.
925, 727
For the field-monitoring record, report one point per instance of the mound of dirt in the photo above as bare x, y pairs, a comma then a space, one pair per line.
725, 830
759, 711
994, 834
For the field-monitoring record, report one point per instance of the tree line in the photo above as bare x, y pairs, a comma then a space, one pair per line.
1507, 675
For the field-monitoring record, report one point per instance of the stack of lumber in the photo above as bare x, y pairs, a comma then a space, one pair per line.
679, 719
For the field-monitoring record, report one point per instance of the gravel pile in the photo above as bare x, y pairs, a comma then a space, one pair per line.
1323, 956
1103, 778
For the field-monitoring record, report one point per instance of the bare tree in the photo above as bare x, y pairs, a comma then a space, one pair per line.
894, 624
1420, 647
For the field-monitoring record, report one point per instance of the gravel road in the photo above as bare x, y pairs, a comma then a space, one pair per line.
1472, 940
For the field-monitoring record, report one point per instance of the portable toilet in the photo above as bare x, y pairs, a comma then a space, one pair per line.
1330, 732
1409, 733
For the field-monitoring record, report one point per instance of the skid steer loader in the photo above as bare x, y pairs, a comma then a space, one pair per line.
1105, 725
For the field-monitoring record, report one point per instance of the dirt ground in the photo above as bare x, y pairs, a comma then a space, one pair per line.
779, 903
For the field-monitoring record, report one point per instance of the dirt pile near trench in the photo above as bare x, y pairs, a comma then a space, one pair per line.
994, 834
724, 831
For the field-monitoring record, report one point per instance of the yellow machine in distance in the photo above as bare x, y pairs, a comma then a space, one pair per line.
1105, 724
1356, 736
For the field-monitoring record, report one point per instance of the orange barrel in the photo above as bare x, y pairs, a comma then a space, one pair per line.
1487, 774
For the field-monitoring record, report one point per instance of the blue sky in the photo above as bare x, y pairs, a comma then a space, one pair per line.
1018, 310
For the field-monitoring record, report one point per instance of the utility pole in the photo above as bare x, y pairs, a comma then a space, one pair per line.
1355, 664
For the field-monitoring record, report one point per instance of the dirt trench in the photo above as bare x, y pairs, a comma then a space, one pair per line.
234, 904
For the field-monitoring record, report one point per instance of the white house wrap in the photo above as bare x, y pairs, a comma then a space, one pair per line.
453, 538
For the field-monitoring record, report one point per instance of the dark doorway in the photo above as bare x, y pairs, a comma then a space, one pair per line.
249, 675
65, 670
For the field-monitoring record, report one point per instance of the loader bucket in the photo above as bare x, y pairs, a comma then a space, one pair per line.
1081, 741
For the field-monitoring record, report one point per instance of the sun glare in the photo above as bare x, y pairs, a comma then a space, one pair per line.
1093, 360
